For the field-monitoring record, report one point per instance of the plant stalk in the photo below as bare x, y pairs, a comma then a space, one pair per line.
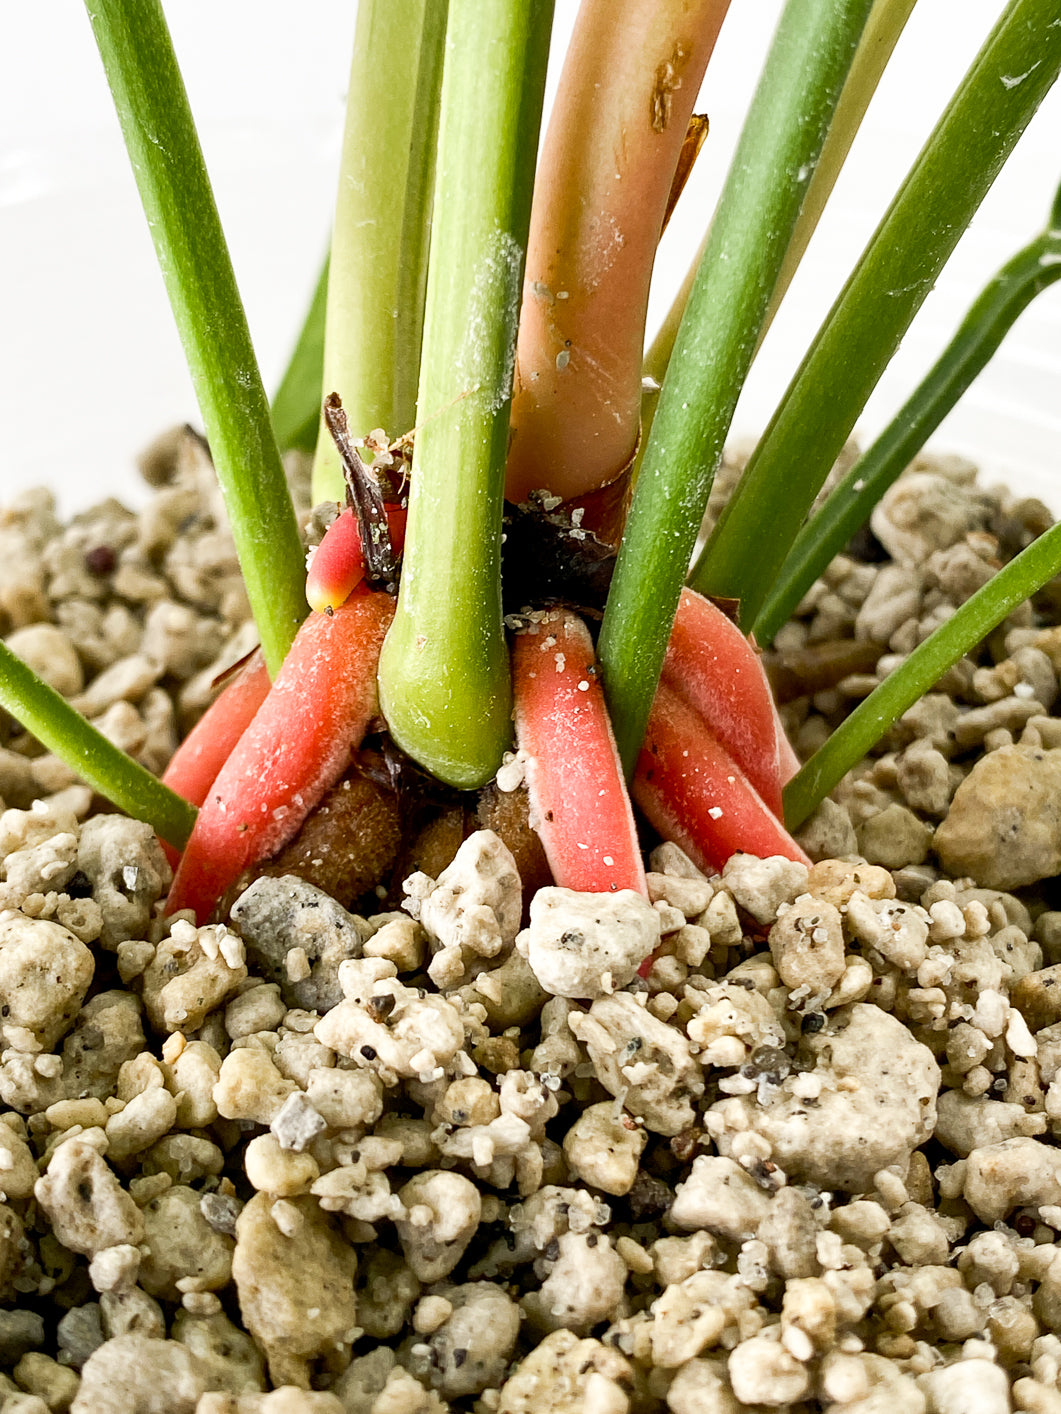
970, 624
988, 321
445, 689
886, 22
156, 122
992, 106
107, 769
758, 209
599, 205
375, 303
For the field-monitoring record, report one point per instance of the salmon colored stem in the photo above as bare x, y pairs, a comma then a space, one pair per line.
626, 94
296, 747
579, 802
337, 565
693, 792
711, 664
194, 766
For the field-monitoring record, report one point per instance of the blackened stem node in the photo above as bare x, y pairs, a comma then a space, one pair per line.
363, 495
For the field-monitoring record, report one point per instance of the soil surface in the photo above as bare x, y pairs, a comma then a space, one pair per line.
429, 1153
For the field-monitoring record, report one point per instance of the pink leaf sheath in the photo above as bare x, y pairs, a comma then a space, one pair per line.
196, 762
295, 748
337, 565
194, 765
713, 666
694, 793
579, 801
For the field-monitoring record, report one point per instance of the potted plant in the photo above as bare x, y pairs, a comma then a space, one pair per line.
531, 487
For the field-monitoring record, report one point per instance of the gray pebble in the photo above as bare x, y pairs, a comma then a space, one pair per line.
20, 1331
80, 1332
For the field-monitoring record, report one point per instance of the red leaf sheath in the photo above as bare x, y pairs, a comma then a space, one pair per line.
713, 666
337, 565
196, 762
194, 765
580, 805
295, 748
694, 793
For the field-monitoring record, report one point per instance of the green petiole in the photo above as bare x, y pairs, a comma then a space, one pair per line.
375, 300
145, 82
445, 689
928, 662
1032, 270
758, 209
107, 769
296, 408
991, 108
886, 22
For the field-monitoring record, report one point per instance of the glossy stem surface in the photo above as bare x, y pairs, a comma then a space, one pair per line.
444, 678
778, 149
178, 202
954, 171
849, 504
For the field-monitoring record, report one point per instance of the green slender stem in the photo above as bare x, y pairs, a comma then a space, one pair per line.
101, 764
760, 203
159, 133
382, 224
297, 403
953, 173
444, 680
859, 732
886, 22
984, 327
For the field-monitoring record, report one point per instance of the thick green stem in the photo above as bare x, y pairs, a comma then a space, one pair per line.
297, 404
953, 173
108, 770
984, 327
444, 680
379, 254
859, 732
757, 212
156, 121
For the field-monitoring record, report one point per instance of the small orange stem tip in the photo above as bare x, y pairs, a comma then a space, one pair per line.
337, 565
580, 805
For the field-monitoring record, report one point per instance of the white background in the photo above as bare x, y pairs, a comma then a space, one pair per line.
90, 366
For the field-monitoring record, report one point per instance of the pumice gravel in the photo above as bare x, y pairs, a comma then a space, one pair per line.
460, 1155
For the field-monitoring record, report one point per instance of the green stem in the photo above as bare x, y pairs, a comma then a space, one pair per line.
444, 680
984, 327
953, 173
108, 770
297, 404
886, 22
971, 623
375, 307
159, 133
760, 203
